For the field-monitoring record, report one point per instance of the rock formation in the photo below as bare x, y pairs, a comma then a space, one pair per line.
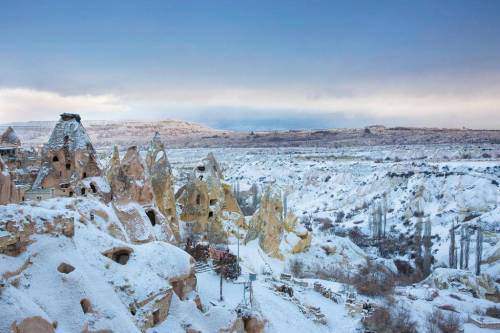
9, 137
128, 178
267, 224
67, 158
207, 202
133, 199
275, 234
160, 174
9, 192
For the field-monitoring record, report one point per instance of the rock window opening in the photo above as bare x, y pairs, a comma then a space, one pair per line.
152, 217
55, 159
66, 139
156, 317
93, 188
198, 199
213, 202
65, 268
120, 256
210, 214
70, 194
84, 175
83, 191
201, 168
68, 166
86, 306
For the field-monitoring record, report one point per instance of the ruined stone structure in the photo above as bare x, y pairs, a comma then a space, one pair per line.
160, 174
67, 158
206, 201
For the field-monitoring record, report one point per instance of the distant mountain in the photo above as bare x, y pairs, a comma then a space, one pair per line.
180, 134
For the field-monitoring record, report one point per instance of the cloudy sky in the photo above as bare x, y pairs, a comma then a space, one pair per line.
253, 64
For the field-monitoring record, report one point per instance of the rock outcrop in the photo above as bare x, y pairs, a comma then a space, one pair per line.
128, 178
160, 174
133, 199
207, 203
277, 234
9, 137
267, 223
482, 286
9, 192
67, 158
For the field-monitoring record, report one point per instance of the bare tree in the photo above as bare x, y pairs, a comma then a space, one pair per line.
285, 205
418, 238
427, 247
462, 246
452, 252
479, 250
385, 213
467, 247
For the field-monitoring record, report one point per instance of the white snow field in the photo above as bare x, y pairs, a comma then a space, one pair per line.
332, 191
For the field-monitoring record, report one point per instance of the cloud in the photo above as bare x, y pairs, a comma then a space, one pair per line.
24, 104
223, 106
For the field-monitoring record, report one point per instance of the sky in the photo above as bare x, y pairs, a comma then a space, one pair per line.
249, 65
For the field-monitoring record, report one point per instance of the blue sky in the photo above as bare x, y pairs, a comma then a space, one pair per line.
253, 64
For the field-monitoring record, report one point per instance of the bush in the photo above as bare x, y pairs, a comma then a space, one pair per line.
296, 268
438, 322
384, 321
374, 280
493, 312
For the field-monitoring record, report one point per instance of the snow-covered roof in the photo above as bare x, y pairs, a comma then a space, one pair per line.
69, 131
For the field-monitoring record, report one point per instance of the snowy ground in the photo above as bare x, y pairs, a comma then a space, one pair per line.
343, 185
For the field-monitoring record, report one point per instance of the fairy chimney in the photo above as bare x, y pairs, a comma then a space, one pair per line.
67, 158
160, 174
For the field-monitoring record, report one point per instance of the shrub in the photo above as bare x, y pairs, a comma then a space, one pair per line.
374, 280
382, 320
438, 322
296, 267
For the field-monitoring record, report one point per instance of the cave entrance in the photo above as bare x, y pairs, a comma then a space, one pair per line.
119, 255
86, 305
156, 317
152, 216
93, 188
83, 191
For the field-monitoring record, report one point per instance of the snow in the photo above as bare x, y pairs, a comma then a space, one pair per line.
321, 184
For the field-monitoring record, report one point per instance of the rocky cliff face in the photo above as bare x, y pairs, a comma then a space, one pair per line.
160, 174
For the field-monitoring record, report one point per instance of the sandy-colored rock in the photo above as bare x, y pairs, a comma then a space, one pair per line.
160, 174
9, 192
128, 178
276, 234
267, 224
33, 325
207, 202
67, 158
